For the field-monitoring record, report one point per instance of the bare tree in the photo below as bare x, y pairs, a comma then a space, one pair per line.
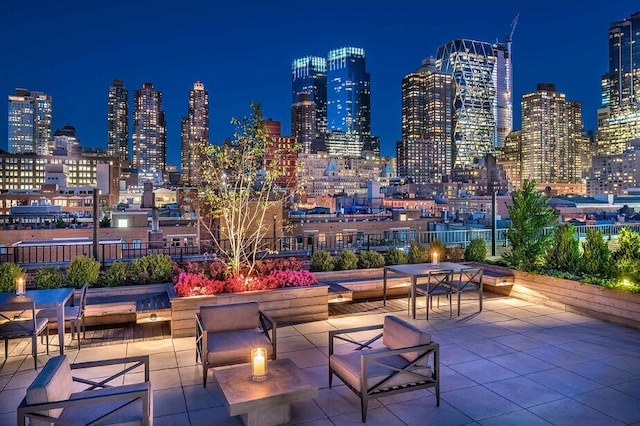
239, 191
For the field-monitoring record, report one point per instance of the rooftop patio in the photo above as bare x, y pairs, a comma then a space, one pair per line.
514, 363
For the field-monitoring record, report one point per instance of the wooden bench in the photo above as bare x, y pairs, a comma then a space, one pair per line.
493, 275
140, 304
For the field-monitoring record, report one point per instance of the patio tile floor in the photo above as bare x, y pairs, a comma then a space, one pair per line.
514, 363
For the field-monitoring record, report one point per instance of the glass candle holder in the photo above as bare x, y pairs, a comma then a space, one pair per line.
434, 258
258, 364
21, 285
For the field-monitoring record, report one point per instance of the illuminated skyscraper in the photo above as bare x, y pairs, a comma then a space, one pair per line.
424, 153
118, 121
309, 77
482, 102
195, 128
619, 117
553, 141
149, 133
348, 100
29, 122
303, 124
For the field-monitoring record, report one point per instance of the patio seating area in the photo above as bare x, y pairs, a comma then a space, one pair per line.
514, 363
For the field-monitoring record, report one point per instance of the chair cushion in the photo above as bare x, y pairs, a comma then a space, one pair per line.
234, 346
463, 286
347, 367
233, 316
398, 334
53, 383
86, 412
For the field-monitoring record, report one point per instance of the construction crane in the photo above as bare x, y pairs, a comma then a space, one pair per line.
513, 28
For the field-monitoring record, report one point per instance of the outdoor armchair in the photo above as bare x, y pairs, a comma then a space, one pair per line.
51, 398
407, 360
226, 333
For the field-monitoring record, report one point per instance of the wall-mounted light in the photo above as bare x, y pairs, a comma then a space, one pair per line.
153, 317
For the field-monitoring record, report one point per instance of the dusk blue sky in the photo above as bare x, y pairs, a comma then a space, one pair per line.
242, 52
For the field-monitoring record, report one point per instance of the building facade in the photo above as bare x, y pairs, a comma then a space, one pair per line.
194, 129
425, 152
65, 141
553, 140
118, 120
149, 133
309, 98
29, 127
281, 155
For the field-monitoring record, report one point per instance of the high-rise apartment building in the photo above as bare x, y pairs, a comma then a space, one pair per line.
482, 100
149, 133
425, 152
621, 88
348, 100
553, 140
309, 84
29, 127
118, 120
304, 125
194, 129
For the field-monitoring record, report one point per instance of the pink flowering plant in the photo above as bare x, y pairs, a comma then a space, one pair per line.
209, 278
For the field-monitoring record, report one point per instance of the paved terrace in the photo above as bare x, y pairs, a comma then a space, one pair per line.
515, 363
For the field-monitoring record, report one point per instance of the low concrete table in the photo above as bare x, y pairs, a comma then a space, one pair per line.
268, 402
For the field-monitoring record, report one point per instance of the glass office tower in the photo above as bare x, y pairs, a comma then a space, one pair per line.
29, 126
503, 83
149, 132
309, 84
472, 65
118, 120
348, 97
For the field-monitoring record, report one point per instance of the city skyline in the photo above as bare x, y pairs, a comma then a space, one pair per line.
242, 57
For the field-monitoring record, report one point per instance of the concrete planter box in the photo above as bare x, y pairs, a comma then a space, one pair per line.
293, 304
572, 296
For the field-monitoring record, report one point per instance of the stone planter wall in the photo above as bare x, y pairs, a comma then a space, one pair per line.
595, 301
294, 304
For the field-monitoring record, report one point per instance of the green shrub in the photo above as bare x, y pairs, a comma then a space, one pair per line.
564, 251
436, 246
395, 256
596, 257
530, 214
347, 260
9, 272
370, 259
321, 261
49, 277
82, 270
626, 259
116, 275
417, 253
454, 254
476, 251
151, 269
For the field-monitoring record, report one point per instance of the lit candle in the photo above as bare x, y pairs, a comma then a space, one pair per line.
258, 364
21, 285
435, 257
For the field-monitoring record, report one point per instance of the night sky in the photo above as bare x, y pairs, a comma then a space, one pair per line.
242, 52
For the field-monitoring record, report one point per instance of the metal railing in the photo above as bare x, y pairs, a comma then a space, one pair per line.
298, 245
